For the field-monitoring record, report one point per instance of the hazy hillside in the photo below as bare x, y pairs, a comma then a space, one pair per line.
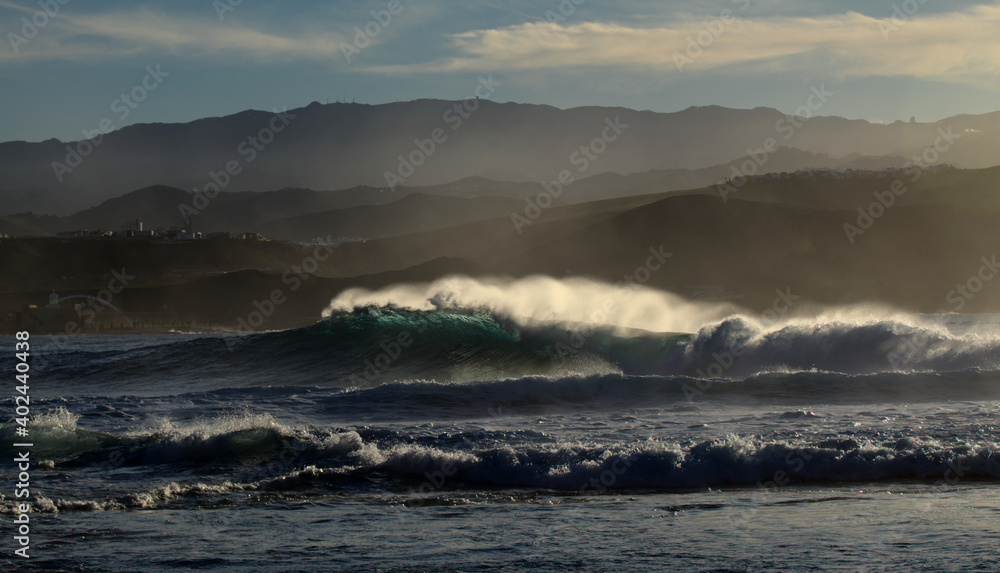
941, 214
413, 213
163, 206
911, 256
973, 189
908, 257
339, 146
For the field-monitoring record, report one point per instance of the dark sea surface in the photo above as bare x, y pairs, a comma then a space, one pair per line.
393, 439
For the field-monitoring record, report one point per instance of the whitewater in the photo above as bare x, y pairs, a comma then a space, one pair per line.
536, 424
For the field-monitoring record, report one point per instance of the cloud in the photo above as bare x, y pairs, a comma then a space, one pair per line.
115, 34
956, 46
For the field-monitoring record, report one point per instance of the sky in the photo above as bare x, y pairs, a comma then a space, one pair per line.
82, 66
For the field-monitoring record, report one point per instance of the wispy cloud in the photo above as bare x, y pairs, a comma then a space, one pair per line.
957, 46
85, 37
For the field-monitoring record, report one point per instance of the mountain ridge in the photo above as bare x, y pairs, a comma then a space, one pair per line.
339, 146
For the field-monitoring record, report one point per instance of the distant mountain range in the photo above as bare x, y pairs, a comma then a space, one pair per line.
432, 143
825, 240
369, 212
291, 214
889, 237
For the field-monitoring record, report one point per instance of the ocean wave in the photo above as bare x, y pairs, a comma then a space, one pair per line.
417, 469
371, 346
730, 461
55, 435
737, 347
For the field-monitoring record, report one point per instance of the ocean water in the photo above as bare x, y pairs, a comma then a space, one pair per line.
395, 438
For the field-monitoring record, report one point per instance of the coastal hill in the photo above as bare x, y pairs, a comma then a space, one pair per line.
161, 206
427, 142
825, 239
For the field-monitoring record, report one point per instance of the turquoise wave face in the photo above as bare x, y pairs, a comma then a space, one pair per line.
385, 344
397, 344
373, 346
364, 348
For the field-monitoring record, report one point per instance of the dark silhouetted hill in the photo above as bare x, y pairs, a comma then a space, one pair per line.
340, 146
